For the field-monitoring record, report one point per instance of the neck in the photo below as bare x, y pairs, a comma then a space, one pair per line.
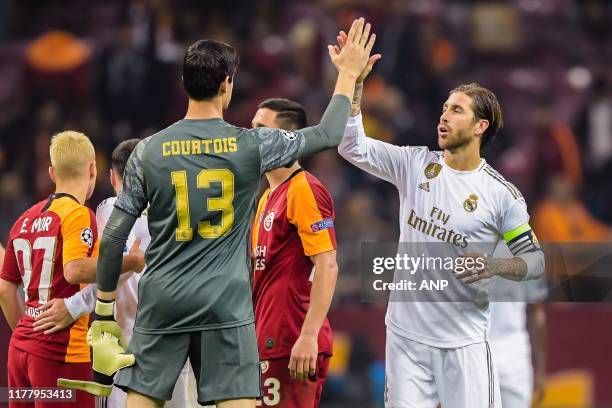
463, 158
278, 176
76, 188
209, 109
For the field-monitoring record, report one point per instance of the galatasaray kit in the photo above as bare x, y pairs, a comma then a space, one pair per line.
294, 222
43, 239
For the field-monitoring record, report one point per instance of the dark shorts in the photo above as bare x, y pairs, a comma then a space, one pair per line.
281, 391
225, 363
26, 370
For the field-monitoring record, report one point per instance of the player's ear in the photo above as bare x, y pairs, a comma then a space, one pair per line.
52, 174
481, 126
224, 86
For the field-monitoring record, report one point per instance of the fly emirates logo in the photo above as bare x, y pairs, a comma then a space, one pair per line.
437, 228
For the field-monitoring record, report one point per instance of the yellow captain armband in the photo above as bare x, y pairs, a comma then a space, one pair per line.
521, 240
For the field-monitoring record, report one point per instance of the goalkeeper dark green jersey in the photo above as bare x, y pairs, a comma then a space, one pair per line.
199, 179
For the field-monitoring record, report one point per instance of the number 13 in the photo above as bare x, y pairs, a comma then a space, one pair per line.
206, 230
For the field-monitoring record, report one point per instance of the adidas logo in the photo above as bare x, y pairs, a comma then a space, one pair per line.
424, 186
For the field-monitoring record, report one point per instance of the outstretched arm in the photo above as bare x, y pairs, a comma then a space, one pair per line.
378, 158
278, 151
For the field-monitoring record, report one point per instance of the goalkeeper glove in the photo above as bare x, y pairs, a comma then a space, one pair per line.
108, 344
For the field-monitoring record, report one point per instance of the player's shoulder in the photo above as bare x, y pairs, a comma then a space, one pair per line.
305, 184
68, 208
422, 154
28, 214
306, 180
498, 184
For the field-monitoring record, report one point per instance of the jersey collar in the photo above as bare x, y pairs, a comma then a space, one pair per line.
55, 196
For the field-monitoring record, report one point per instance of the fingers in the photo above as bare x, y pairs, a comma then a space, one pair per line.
43, 316
313, 367
353, 31
332, 51
299, 374
373, 60
46, 325
292, 367
364, 37
54, 329
125, 360
48, 305
359, 31
370, 44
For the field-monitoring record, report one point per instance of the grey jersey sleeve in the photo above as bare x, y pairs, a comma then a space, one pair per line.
279, 148
132, 199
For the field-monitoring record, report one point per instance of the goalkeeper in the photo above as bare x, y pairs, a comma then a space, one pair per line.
199, 179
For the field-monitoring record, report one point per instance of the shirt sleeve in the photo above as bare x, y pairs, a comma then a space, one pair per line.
277, 147
310, 209
81, 303
132, 199
10, 267
514, 216
384, 160
79, 235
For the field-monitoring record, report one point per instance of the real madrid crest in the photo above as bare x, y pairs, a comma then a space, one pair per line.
432, 170
471, 203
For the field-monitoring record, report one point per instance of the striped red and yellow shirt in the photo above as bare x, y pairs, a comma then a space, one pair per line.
293, 223
43, 239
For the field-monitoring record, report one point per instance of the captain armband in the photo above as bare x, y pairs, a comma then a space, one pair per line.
524, 244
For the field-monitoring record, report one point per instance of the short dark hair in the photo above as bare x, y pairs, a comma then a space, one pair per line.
290, 115
485, 106
121, 154
205, 66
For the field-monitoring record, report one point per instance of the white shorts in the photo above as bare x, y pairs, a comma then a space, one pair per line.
515, 374
182, 396
421, 376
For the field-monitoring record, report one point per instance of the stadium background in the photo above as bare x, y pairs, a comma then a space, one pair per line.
111, 69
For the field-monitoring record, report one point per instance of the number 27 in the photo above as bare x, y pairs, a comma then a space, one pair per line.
206, 230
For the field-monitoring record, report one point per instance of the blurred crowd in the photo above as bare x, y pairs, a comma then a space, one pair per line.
111, 69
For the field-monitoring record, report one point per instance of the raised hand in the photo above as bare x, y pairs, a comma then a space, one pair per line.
341, 38
352, 59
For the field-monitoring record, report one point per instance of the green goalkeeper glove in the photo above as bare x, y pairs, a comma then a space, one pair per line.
108, 344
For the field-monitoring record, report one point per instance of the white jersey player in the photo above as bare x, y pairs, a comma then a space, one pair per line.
439, 351
517, 332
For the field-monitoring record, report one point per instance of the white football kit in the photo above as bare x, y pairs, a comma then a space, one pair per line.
512, 349
510, 341
438, 351
126, 307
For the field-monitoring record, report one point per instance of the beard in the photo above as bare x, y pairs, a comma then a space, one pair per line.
454, 140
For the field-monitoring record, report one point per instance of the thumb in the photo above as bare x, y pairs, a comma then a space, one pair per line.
332, 51
373, 59
125, 360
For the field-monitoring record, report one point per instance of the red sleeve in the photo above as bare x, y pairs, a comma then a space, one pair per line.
10, 267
